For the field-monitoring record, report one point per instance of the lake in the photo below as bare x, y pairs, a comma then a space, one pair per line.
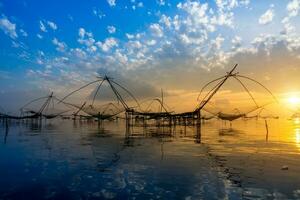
65, 159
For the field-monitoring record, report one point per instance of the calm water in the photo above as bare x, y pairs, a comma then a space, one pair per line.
66, 160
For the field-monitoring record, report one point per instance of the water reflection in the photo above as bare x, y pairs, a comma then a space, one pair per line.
296, 122
89, 160
6, 131
229, 132
297, 134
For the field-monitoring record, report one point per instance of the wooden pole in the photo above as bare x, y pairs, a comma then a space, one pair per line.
198, 128
267, 129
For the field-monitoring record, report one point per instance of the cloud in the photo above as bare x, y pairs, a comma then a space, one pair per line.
82, 33
24, 33
111, 29
293, 8
108, 44
136, 4
39, 36
8, 27
197, 39
42, 26
140, 4
165, 20
129, 36
87, 39
98, 13
267, 17
156, 30
52, 25
60, 46
111, 2
198, 16
161, 2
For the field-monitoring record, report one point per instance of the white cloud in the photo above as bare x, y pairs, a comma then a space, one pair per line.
81, 32
151, 42
129, 36
86, 38
134, 45
43, 27
156, 30
8, 27
60, 46
39, 36
52, 25
98, 13
267, 17
140, 4
293, 8
222, 19
236, 42
87, 41
92, 48
122, 58
136, 4
108, 44
191, 37
111, 2
244, 2
198, 17
111, 29
227, 4
165, 20
79, 53
24, 33
218, 42
161, 2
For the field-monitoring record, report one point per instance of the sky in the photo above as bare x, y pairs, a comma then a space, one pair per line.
176, 46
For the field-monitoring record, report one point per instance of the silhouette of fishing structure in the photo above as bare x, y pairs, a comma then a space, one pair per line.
236, 76
192, 118
106, 111
260, 115
296, 115
135, 115
44, 110
234, 116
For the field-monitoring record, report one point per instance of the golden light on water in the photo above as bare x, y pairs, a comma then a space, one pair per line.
297, 136
297, 121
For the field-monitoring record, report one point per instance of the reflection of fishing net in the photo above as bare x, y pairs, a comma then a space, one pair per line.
106, 109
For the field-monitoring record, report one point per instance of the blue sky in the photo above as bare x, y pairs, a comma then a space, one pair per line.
59, 45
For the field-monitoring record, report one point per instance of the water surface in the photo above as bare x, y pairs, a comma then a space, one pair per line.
62, 159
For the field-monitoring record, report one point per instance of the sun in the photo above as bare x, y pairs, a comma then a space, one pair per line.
294, 100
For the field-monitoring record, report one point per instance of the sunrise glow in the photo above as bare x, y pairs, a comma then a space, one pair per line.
294, 100
149, 99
